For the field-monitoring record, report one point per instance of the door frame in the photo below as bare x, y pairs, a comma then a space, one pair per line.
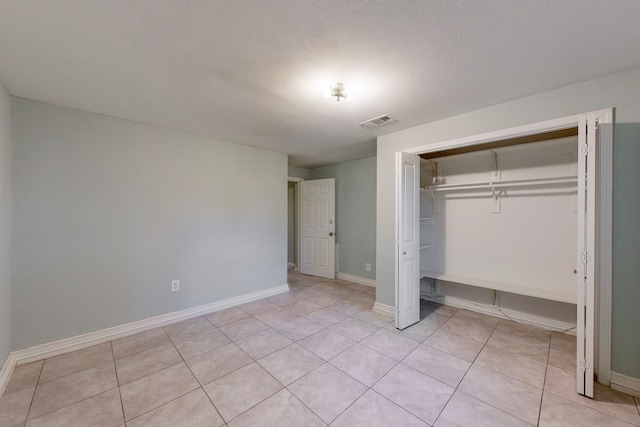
296, 254
604, 204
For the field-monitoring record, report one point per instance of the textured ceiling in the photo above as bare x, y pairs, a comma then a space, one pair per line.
253, 71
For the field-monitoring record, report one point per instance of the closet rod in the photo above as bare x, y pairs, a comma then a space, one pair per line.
504, 183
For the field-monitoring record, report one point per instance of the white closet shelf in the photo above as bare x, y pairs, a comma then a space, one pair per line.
524, 182
497, 286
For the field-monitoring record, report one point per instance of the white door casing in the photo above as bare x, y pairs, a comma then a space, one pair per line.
408, 239
316, 203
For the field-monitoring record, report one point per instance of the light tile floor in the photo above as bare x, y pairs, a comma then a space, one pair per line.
317, 355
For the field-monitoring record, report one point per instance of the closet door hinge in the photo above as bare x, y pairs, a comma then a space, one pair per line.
584, 365
585, 149
585, 257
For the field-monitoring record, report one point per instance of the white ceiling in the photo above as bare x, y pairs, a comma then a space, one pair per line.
254, 71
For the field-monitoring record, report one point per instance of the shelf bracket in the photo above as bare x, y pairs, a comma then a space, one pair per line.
495, 196
435, 176
434, 205
495, 168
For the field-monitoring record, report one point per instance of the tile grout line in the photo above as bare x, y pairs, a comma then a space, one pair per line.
167, 367
35, 389
328, 362
324, 328
299, 400
507, 376
499, 373
117, 381
544, 382
370, 388
72, 403
465, 373
253, 361
593, 409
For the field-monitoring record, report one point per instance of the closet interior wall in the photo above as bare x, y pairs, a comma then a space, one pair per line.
498, 229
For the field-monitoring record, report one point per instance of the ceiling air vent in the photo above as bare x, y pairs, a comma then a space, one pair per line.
377, 121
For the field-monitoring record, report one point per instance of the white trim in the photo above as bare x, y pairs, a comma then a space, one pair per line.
356, 279
5, 373
384, 309
294, 179
291, 264
625, 384
396, 246
502, 313
603, 116
78, 342
605, 233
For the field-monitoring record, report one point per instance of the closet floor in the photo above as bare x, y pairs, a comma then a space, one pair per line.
317, 355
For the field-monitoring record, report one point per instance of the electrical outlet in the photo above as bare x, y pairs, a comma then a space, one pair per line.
175, 285
367, 267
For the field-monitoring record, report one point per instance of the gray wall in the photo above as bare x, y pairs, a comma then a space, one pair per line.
5, 224
107, 212
626, 245
619, 90
355, 214
298, 172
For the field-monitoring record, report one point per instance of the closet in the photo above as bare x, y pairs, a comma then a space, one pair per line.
503, 218
522, 212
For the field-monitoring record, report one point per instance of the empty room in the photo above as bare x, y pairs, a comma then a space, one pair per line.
319, 213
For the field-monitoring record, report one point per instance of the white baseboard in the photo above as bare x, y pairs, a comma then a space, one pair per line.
78, 342
291, 264
502, 313
7, 370
625, 384
384, 309
356, 279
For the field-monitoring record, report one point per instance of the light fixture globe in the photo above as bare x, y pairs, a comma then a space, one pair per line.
338, 90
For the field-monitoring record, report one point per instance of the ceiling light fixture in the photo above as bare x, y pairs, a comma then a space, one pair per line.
338, 90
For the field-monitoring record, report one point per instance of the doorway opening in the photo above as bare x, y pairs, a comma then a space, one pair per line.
292, 222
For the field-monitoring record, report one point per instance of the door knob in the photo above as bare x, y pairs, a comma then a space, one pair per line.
331, 233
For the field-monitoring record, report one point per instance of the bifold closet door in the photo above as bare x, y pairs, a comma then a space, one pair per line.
408, 238
587, 156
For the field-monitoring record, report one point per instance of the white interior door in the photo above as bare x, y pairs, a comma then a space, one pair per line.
408, 238
317, 227
587, 155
